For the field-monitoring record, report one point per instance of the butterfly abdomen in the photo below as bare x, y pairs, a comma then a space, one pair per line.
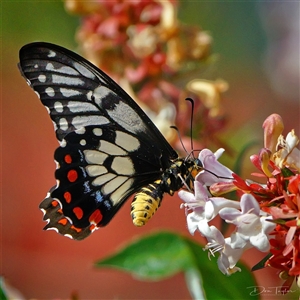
146, 202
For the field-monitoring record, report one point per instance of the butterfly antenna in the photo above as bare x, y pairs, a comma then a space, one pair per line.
179, 136
191, 125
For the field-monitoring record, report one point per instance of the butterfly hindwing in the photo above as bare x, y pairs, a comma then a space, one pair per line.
101, 174
109, 148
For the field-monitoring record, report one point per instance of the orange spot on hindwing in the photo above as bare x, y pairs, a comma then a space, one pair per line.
76, 229
93, 227
54, 203
78, 212
72, 175
96, 217
68, 158
67, 197
63, 221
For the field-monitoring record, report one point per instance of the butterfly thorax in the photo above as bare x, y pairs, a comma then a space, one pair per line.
181, 172
145, 203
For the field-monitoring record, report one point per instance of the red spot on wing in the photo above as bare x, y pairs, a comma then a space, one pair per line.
54, 203
63, 221
68, 158
67, 196
92, 227
76, 229
72, 175
78, 212
96, 217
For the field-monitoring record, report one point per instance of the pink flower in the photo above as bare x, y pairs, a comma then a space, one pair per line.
251, 227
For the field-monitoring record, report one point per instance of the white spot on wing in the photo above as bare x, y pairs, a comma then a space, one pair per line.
59, 79
50, 67
84, 71
42, 78
114, 184
51, 54
110, 148
101, 92
126, 117
82, 142
63, 143
100, 180
51, 228
68, 236
123, 166
95, 170
57, 167
80, 106
127, 141
69, 92
89, 95
83, 121
80, 130
121, 191
50, 91
64, 69
63, 124
94, 156
58, 107
97, 131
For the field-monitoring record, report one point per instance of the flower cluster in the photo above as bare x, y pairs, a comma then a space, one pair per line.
267, 214
150, 53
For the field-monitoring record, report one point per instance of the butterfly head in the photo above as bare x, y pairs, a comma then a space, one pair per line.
196, 167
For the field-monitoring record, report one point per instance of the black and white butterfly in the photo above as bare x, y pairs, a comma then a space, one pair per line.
109, 148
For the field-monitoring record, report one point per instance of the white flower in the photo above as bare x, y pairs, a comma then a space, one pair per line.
288, 154
204, 208
251, 228
213, 171
228, 256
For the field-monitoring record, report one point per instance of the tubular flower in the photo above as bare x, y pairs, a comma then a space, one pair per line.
250, 226
228, 255
266, 215
204, 208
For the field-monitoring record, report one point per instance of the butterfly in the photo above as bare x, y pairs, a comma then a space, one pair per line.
109, 148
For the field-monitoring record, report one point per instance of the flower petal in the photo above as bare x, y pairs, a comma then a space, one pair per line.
273, 127
215, 168
249, 203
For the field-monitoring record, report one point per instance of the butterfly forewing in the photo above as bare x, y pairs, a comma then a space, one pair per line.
78, 94
108, 148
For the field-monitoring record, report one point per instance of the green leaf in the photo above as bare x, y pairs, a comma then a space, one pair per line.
153, 257
2, 293
261, 264
287, 172
161, 255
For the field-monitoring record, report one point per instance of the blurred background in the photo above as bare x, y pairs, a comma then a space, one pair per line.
258, 55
